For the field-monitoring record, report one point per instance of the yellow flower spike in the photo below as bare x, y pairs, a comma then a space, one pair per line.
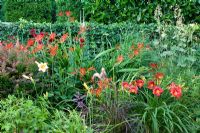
86, 87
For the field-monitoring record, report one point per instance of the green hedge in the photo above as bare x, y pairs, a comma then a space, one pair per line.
96, 33
35, 10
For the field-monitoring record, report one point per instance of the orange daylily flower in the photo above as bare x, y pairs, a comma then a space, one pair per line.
53, 50
82, 71
64, 37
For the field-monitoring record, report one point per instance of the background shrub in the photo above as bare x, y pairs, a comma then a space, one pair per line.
35, 10
1, 10
140, 11
68, 5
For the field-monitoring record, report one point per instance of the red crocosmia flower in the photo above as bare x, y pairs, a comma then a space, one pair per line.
64, 37
159, 75
153, 65
140, 45
151, 85
125, 85
68, 13
30, 42
52, 37
175, 90
157, 91
82, 71
120, 58
53, 50
60, 14
136, 52
139, 83
9, 46
133, 89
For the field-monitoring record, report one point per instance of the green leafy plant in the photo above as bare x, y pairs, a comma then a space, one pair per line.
20, 115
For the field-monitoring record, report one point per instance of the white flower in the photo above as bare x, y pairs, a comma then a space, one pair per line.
42, 66
101, 76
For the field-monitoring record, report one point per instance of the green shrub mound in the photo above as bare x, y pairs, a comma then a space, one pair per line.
24, 115
35, 10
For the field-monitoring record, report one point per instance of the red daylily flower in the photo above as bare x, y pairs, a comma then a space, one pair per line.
104, 83
151, 85
159, 75
38, 48
125, 85
133, 89
175, 90
39, 37
22, 48
96, 92
157, 91
68, 13
120, 58
139, 83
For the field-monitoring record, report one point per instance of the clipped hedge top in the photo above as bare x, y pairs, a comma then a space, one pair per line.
98, 33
